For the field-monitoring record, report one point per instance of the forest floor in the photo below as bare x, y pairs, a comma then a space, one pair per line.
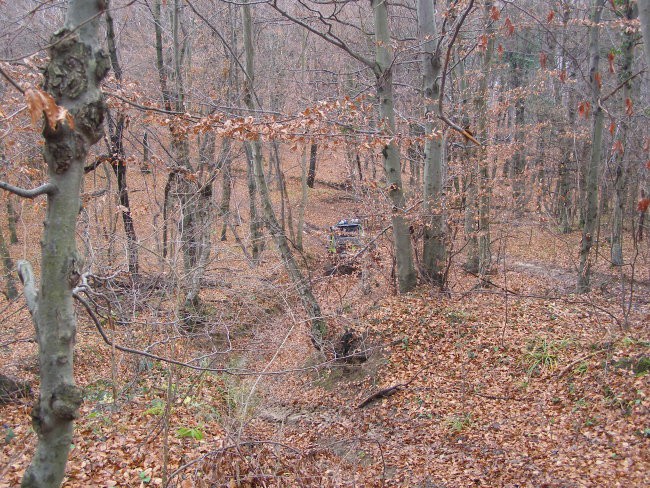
519, 383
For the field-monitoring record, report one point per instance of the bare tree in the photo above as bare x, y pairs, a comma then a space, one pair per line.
382, 68
434, 254
593, 169
72, 76
303, 287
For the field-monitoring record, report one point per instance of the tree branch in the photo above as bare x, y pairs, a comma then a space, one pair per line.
621, 85
441, 113
45, 189
95, 164
11, 80
329, 36
26, 275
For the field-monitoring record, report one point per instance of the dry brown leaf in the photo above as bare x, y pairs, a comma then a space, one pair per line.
40, 102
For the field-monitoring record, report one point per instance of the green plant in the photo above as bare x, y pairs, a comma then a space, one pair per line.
99, 391
457, 423
195, 433
157, 407
144, 476
9, 435
581, 368
542, 354
456, 316
614, 400
631, 341
580, 403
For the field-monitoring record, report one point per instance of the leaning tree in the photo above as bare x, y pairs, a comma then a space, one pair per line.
72, 103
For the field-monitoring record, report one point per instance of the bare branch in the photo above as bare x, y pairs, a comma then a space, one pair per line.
329, 36
230, 371
45, 189
621, 85
12, 81
441, 113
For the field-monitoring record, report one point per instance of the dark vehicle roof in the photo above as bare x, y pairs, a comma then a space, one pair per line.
347, 225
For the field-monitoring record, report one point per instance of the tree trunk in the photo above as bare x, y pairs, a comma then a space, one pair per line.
74, 85
225, 161
303, 286
566, 165
621, 160
255, 225
434, 252
406, 276
311, 175
644, 16
145, 166
567, 160
12, 219
484, 186
7, 262
118, 156
518, 164
593, 169
303, 200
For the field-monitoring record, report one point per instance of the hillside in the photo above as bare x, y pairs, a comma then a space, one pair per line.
518, 383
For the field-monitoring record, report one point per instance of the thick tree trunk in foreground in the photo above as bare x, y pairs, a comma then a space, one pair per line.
593, 168
406, 276
72, 77
434, 252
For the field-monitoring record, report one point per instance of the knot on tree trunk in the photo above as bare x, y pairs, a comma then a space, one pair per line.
73, 75
66, 400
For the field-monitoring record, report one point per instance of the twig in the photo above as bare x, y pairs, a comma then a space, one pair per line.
230, 371
11, 81
391, 390
441, 114
621, 85
573, 363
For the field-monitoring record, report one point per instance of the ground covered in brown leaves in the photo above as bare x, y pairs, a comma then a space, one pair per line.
518, 383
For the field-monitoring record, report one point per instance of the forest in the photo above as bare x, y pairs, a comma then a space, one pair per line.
337, 243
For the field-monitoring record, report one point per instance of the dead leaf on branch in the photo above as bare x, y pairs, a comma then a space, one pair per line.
40, 102
644, 203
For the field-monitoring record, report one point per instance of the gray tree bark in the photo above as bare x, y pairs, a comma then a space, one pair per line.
10, 291
12, 219
434, 251
484, 187
118, 155
567, 161
621, 161
593, 168
644, 16
406, 276
72, 77
311, 174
